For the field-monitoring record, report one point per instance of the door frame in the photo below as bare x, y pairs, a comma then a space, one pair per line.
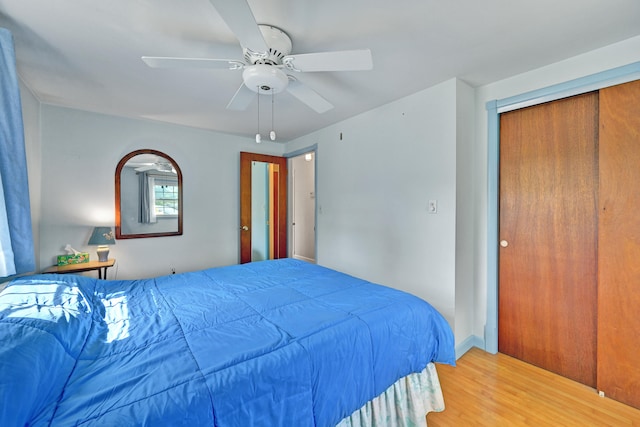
280, 239
494, 108
295, 220
289, 155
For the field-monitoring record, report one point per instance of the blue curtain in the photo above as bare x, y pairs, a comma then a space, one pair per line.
16, 239
146, 210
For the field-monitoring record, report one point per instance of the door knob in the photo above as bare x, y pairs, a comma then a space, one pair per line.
244, 228
504, 243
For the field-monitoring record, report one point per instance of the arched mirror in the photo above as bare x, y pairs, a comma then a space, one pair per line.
148, 196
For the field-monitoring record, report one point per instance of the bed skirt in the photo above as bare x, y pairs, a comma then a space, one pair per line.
405, 403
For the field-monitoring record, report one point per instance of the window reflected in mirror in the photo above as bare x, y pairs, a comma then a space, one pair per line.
148, 195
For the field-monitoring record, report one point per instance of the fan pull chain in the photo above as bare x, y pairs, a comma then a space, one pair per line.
258, 136
272, 134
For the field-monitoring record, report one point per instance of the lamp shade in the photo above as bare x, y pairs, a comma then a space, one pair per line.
102, 236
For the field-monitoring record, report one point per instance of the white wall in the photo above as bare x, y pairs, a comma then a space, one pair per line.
373, 188
80, 151
467, 190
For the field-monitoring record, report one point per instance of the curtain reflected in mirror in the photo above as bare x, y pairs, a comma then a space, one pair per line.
148, 195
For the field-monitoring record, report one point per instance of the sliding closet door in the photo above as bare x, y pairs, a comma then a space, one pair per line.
619, 244
548, 253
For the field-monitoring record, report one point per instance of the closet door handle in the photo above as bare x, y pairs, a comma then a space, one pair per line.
504, 243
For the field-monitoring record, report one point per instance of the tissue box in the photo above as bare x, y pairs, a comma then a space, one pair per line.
78, 258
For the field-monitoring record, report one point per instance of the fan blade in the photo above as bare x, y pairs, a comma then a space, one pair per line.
309, 96
168, 62
241, 99
239, 18
343, 60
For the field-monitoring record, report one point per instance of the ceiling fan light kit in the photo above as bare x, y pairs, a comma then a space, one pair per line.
265, 78
267, 59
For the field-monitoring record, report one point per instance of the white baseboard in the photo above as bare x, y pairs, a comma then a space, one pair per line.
302, 258
468, 344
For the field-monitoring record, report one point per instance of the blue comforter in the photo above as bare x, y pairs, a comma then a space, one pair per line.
273, 343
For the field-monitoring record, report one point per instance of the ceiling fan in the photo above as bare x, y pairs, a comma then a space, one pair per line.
268, 64
160, 165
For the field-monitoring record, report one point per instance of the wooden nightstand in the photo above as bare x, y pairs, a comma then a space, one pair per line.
85, 266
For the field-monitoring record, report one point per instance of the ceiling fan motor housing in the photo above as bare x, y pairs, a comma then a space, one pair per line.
279, 46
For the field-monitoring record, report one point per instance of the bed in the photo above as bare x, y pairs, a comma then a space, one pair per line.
271, 343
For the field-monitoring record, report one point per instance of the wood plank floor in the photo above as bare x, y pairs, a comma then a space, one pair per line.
498, 390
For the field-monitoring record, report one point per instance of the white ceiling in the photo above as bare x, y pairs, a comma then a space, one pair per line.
85, 54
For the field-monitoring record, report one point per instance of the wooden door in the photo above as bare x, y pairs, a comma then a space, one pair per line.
619, 244
547, 259
278, 230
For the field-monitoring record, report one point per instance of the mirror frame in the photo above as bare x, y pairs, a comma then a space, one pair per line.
121, 164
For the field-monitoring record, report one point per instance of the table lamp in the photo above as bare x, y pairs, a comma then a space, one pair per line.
102, 237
